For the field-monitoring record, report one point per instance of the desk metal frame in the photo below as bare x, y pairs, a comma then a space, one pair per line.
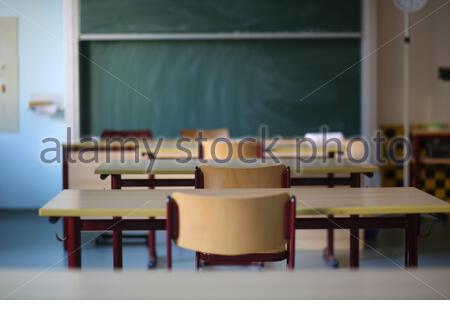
66, 151
354, 181
408, 222
117, 182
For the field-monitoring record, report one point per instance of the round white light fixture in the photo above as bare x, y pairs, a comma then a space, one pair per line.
410, 5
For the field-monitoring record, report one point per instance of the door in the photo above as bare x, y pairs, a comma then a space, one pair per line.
9, 100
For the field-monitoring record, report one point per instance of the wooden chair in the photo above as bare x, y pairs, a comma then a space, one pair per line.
216, 177
232, 230
206, 133
226, 149
140, 134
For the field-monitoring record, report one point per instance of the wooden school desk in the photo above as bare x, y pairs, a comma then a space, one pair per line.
385, 283
283, 148
321, 171
78, 174
351, 208
288, 148
324, 169
80, 158
170, 149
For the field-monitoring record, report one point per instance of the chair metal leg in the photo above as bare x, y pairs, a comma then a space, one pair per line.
151, 242
197, 261
328, 252
65, 233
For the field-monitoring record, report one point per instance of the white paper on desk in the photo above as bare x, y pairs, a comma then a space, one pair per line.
320, 137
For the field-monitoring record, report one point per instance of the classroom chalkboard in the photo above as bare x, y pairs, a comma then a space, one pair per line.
199, 16
238, 84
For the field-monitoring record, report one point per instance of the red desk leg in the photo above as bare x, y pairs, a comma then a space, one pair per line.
117, 243
412, 245
116, 184
65, 168
328, 252
354, 232
73, 242
64, 221
116, 181
355, 180
407, 241
354, 246
151, 240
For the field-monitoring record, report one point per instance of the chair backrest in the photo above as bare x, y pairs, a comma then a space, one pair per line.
143, 134
232, 225
206, 133
221, 149
217, 177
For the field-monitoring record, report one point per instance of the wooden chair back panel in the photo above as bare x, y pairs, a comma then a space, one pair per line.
232, 226
230, 150
257, 177
207, 133
143, 134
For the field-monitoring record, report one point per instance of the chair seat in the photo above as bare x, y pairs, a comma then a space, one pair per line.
242, 259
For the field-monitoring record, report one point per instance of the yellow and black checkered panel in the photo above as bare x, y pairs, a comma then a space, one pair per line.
392, 176
390, 132
434, 179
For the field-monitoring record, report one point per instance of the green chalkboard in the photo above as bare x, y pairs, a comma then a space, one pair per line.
170, 85
198, 16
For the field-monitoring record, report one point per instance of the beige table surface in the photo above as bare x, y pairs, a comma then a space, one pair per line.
172, 148
167, 148
302, 284
431, 131
315, 201
180, 166
282, 148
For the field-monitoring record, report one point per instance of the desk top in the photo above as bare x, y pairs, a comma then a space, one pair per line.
282, 148
310, 201
164, 143
180, 166
173, 148
441, 132
301, 284
166, 148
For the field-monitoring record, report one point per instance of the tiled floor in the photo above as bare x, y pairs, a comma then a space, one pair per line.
28, 241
